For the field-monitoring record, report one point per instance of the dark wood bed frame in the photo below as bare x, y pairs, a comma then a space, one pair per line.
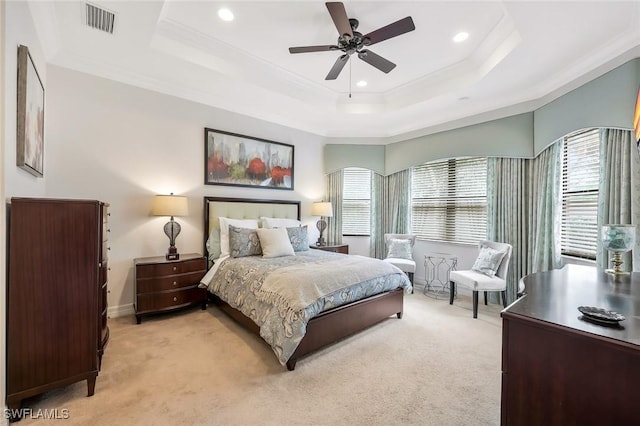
330, 326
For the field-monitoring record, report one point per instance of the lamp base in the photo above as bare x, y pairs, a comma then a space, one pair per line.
321, 225
173, 254
616, 259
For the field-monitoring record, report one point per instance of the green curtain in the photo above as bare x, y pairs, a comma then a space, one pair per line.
390, 209
378, 203
619, 190
523, 209
333, 193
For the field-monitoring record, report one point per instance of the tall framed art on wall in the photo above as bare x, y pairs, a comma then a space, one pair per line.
238, 160
30, 126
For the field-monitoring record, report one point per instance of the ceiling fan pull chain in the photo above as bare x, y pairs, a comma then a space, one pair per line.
350, 79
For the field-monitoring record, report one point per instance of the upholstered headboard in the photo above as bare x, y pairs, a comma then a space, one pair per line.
243, 208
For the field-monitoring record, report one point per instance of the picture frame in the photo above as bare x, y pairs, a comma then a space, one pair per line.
232, 159
30, 129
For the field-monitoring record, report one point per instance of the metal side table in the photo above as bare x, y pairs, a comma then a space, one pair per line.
437, 267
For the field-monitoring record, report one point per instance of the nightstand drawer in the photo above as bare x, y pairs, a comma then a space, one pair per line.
151, 285
170, 268
170, 299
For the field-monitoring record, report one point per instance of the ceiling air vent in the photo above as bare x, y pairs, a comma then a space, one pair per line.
99, 18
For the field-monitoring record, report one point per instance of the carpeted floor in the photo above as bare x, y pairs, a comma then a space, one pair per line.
435, 366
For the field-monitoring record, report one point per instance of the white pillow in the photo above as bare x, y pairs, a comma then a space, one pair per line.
276, 222
275, 242
488, 261
224, 231
399, 249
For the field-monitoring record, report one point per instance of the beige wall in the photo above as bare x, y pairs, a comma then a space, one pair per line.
3, 236
123, 145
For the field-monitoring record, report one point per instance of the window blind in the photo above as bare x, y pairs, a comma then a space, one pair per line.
580, 176
449, 200
356, 201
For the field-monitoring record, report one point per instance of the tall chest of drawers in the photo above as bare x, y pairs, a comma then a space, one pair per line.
166, 285
56, 294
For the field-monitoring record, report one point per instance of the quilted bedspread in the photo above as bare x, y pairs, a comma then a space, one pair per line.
282, 294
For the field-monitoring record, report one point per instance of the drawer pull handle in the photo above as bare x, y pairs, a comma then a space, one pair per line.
175, 299
174, 268
175, 283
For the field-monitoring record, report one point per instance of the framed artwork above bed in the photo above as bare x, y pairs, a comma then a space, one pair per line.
237, 160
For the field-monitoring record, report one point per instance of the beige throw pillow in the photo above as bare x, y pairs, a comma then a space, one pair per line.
275, 242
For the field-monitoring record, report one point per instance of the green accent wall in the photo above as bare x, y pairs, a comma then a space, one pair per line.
338, 157
606, 101
506, 137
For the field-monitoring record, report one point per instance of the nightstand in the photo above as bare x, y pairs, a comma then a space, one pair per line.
340, 248
165, 285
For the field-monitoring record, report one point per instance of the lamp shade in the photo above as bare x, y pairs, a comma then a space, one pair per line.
322, 209
169, 205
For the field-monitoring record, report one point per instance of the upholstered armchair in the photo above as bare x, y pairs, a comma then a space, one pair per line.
399, 252
489, 273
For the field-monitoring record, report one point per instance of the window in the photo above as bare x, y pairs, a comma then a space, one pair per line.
580, 175
356, 201
449, 200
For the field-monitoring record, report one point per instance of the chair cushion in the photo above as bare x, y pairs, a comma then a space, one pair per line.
405, 265
477, 281
488, 261
399, 249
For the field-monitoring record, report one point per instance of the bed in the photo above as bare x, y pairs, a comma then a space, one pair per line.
323, 323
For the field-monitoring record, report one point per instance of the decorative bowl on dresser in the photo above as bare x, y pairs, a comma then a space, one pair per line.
56, 295
165, 285
336, 248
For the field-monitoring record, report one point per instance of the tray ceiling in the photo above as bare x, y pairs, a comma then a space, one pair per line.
519, 55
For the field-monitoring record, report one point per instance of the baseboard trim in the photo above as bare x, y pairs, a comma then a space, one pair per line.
120, 311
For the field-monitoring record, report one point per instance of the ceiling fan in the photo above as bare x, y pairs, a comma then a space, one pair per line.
351, 41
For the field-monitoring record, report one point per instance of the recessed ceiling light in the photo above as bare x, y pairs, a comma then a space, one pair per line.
225, 14
460, 37
361, 83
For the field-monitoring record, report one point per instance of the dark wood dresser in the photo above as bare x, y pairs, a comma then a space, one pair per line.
336, 248
56, 295
165, 285
560, 369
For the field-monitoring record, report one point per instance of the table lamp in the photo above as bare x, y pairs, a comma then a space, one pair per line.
322, 209
170, 205
618, 239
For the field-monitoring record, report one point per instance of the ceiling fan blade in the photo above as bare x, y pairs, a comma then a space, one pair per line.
337, 67
376, 60
306, 49
392, 30
340, 18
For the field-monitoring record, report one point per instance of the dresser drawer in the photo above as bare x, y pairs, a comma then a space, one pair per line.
170, 268
170, 299
172, 282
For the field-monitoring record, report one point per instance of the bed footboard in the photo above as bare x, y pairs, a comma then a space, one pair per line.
332, 325
347, 320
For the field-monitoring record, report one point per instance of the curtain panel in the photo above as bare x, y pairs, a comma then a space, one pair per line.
523, 209
333, 194
619, 190
390, 209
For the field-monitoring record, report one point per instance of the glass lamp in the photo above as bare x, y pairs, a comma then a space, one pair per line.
170, 205
322, 209
618, 239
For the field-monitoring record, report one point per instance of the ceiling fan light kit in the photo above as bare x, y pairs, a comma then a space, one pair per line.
351, 41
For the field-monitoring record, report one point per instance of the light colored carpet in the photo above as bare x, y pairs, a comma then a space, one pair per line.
435, 366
